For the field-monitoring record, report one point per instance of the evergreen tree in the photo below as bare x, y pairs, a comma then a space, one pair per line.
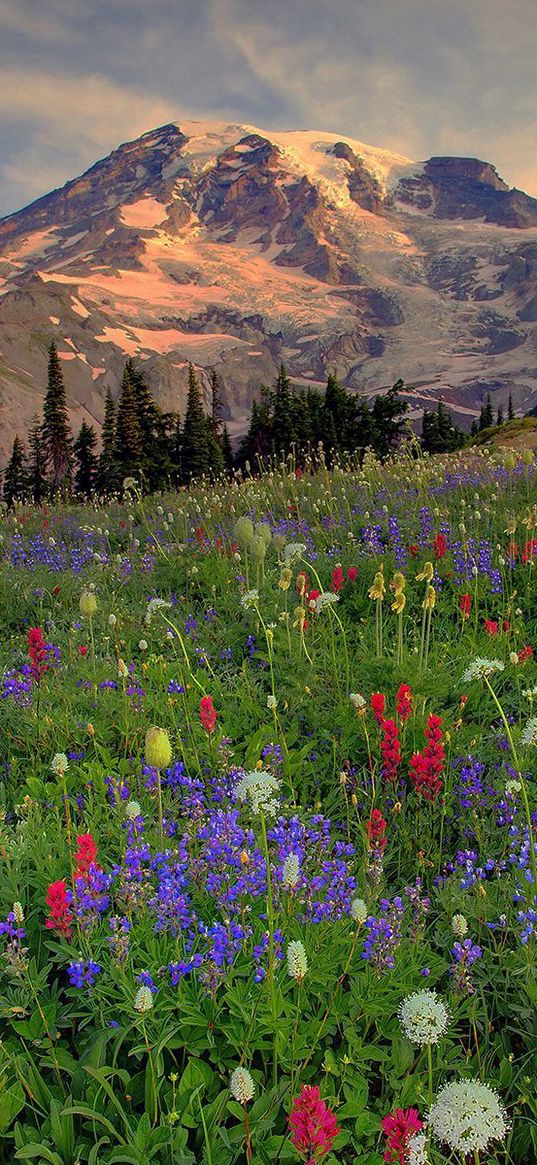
176, 452
196, 452
283, 429
128, 436
486, 417
36, 463
227, 451
56, 433
499, 416
510, 409
108, 470
86, 461
387, 420
474, 428
217, 404
15, 480
439, 434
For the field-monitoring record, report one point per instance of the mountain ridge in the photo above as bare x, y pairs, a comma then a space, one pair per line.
234, 247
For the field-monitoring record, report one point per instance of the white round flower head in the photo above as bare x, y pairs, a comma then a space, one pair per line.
143, 645
467, 1115
482, 667
292, 551
290, 871
357, 701
241, 1085
59, 764
512, 788
358, 910
417, 1150
132, 810
424, 1018
297, 962
529, 734
326, 599
250, 599
272, 703
143, 1000
261, 790
459, 925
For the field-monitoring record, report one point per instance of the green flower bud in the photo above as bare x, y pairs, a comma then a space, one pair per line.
263, 531
257, 549
87, 604
244, 531
158, 750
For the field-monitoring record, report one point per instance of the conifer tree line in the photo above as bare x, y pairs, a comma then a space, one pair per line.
141, 440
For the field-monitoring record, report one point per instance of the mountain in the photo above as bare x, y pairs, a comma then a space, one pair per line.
234, 248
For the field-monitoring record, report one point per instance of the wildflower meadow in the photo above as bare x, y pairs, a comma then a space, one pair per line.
268, 820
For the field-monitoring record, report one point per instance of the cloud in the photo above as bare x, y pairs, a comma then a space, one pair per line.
68, 123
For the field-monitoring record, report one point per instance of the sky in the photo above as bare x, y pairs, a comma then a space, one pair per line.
420, 77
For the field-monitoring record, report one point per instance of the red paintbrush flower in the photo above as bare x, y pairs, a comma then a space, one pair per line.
403, 701
391, 751
465, 605
491, 627
426, 767
378, 706
440, 546
85, 855
352, 573
399, 1126
208, 714
59, 913
338, 580
376, 829
37, 650
313, 1125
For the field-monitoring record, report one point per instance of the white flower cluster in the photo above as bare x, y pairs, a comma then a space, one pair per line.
241, 1085
417, 1150
153, 606
357, 701
290, 871
297, 962
261, 790
482, 667
326, 599
143, 1000
250, 599
467, 1115
358, 910
529, 734
292, 551
424, 1018
459, 925
59, 764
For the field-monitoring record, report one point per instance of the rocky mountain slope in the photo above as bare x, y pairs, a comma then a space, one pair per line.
235, 248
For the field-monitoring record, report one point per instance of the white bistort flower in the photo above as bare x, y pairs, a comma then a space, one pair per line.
241, 1085
132, 810
59, 764
143, 1000
459, 925
467, 1115
357, 701
261, 790
424, 1018
358, 910
290, 871
482, 667
297, 961
272, 703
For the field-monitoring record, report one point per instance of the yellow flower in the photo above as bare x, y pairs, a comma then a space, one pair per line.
378, 590
426, 574
430, 599
285, 579
399, 602
300, 618
398, 582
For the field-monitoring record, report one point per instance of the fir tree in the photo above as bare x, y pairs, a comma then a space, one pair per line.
57, 442
196, 451
227, 451
474, 428
283, 429
108, 470
15, 480
486, 417
499, 416
387, 419
217, 404
86, 461
510, 409
37, 486
128, 436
